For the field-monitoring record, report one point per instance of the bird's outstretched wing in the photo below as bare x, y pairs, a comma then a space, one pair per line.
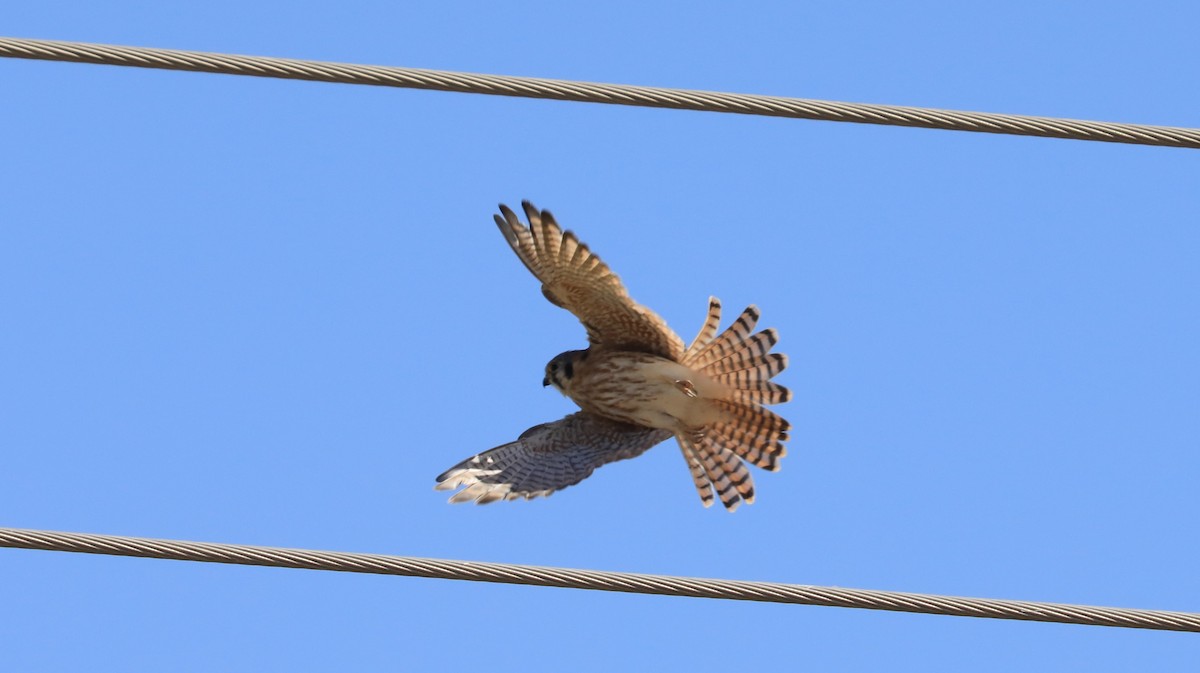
546, 458
574, 278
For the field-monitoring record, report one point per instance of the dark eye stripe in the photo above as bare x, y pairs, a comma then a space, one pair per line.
569, 370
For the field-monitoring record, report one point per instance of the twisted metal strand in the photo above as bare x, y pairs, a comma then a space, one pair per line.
616, 94
772, 592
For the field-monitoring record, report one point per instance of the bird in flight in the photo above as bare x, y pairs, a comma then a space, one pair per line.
636, 385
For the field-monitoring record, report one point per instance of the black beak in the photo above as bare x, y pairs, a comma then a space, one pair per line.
545, 381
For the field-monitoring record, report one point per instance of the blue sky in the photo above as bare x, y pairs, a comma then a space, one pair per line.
271, 312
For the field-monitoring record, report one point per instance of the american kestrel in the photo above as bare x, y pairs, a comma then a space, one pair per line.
636, 385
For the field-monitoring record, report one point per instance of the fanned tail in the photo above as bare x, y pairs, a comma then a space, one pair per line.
741, 361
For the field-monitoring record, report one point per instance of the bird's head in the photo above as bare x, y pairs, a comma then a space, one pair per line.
561, 369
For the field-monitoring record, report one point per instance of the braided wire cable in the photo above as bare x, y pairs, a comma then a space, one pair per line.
772, 592
616, 94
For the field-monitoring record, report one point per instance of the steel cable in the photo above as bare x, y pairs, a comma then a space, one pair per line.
616, 94
772, 592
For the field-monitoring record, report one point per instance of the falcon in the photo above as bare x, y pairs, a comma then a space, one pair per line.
636, 385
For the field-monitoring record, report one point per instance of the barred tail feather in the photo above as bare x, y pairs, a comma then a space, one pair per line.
748, 367
748, 354
761, 392
760, 451
729, 342
739, 476
739, 359
728, 477
699, 477
708, 330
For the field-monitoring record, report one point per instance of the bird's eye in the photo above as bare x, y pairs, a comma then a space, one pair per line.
553, 366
